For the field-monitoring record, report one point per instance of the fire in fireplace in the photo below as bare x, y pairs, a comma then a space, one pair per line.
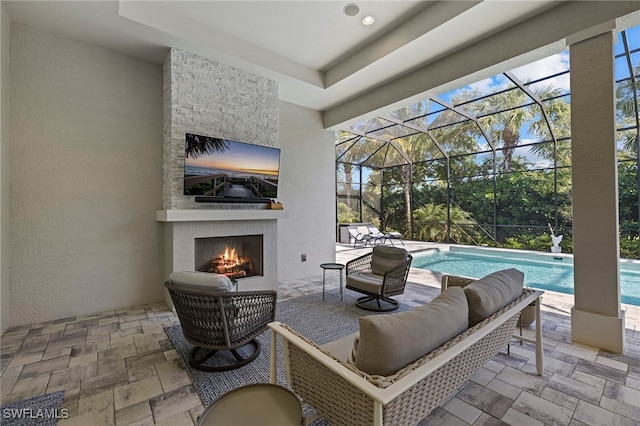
230, 264
236, 257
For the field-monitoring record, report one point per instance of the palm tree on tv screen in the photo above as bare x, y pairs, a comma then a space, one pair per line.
198, 146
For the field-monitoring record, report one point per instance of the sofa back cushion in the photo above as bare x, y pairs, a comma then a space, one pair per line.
391, 341
493, 292
387, 258
201, 280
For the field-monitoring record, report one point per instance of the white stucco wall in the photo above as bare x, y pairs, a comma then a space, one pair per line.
5, 242
86, 173
307, 191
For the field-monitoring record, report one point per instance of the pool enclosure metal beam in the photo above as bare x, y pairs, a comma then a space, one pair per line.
471, 117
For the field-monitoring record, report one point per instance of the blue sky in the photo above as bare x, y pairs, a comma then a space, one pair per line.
551, 65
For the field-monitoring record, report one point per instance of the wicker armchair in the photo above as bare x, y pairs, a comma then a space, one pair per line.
379, 275
214, 320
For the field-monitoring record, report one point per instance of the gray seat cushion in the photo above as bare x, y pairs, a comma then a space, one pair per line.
389, 342
493, 292
201, 280
366, 282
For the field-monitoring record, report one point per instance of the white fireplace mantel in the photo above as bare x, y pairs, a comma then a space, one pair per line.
184, 226
212, 215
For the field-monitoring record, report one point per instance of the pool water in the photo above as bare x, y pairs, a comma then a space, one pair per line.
554, 273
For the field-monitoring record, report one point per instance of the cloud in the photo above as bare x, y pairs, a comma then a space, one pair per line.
539, 69
545, 67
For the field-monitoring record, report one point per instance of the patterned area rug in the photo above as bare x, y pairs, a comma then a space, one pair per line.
41, 410
321, 321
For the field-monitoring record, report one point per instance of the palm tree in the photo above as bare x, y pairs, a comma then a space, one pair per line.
505, 113
412, 147
627, 115
346, 161
433, 218
405, 151
198, 145
432, 222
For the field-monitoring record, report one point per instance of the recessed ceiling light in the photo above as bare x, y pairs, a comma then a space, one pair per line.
351, 9
367, 20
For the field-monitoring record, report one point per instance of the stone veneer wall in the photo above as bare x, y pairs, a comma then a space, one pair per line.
208, 98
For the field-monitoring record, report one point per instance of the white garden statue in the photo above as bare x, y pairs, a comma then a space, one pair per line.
555, 239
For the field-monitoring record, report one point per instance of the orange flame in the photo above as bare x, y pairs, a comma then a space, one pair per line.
229, 262
230, 257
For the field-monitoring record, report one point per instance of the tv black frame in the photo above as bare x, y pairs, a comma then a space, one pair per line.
246, 186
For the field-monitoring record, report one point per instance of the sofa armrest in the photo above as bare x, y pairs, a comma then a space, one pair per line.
455, 280
314, 374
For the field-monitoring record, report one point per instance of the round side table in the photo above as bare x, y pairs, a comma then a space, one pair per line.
263, 404
336, 267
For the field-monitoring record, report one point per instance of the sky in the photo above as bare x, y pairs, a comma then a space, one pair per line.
551, 65
241, 157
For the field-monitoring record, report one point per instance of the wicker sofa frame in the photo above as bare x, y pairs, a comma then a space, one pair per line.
215, 321
344, 395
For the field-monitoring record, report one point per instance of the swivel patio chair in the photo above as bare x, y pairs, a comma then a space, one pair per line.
221, 324
379, 275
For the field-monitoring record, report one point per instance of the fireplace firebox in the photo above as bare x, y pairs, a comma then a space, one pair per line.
234, 256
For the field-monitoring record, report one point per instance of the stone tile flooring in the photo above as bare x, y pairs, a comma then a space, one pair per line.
119, 367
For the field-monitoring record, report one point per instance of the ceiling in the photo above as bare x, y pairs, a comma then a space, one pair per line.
320, 56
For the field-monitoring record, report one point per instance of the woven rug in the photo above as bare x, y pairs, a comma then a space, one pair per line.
41, 410
321, 321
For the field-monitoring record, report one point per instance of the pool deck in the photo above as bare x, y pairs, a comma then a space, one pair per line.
559, 303
120, 368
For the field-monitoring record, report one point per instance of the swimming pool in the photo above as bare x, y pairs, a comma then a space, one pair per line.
541, 270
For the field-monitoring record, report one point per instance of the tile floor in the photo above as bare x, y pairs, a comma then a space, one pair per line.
119, 368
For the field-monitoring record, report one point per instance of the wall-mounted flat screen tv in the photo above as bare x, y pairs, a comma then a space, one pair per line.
227, 170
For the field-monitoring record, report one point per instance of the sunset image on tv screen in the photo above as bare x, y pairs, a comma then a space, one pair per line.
227, 168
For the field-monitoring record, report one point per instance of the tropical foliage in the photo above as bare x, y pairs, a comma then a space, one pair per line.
486, 166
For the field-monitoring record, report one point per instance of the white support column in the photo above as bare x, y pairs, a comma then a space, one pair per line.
596, 318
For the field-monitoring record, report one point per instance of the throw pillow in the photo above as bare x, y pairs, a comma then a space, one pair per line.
389, 342
493, 292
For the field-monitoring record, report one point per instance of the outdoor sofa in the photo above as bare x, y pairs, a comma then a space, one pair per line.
372, 390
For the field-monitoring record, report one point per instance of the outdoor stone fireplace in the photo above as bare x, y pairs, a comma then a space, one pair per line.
237, 257
184, 227
209, 98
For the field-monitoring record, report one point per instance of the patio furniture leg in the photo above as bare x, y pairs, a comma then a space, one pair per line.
539, 343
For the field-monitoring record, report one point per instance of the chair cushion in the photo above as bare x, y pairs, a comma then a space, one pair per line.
493, 292
341, 348
201, 280
389, 342
362, 230
369, 283
386, 258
